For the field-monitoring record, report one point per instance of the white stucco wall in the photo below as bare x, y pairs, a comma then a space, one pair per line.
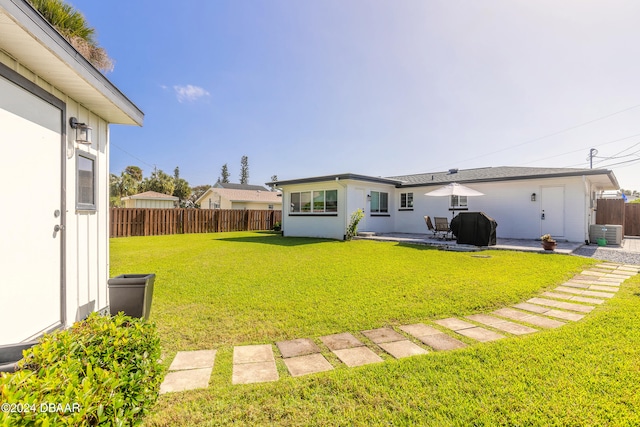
508, 202
331, 226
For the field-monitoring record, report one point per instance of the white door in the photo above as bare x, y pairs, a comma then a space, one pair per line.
31, 251
552, 211
360, 203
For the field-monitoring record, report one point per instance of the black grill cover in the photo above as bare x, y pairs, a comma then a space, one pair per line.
474, 228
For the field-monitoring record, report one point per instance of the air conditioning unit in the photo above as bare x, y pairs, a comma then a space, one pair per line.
613, 233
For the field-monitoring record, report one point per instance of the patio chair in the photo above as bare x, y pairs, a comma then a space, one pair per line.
442, 226
427, 219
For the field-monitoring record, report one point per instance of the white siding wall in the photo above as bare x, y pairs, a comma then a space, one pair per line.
149, 204
86, 233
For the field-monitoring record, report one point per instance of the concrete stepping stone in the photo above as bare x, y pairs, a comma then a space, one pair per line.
565, 315
501, 324
587, 293
469, 330
593, 273
308, 364
357, 356
572, 297
433, 337
576, 285
403, 348
189, 370
543, 322
606, 288
341, 341
587, 300
563, 305
383, 335
297, 347
350, 350
193, 360
189, 379
257, 372
254, 364
610, 278
454, 324
252, 354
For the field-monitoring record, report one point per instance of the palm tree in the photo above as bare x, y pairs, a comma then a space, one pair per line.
71, 24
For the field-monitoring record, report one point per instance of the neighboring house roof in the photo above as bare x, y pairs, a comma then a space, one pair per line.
151, 195
26, 35
233, 186
261, 196
337, 177
603, 177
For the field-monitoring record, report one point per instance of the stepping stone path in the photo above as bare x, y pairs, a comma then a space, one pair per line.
569, 302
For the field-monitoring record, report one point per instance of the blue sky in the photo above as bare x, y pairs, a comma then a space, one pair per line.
382, 88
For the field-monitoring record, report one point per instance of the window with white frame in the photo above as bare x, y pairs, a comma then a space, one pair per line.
406, 200
317, 201
379, 202
458, 202
85, 181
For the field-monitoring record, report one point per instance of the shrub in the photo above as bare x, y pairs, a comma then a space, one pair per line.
352, 228
101, 371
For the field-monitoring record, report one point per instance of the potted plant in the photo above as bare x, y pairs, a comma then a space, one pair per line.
548, 243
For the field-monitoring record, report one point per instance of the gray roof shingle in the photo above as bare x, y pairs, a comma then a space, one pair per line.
488, 174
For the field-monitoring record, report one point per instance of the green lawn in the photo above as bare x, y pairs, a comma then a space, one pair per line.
221, 290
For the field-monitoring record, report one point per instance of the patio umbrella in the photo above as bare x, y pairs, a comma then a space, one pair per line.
454, 189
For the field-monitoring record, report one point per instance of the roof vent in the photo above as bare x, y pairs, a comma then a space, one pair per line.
452, 171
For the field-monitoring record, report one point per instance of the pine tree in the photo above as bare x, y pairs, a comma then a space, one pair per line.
225, 174
244, 170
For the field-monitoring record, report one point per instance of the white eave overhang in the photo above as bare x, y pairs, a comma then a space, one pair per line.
26, 36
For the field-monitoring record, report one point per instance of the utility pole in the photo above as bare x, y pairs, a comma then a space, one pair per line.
592, 154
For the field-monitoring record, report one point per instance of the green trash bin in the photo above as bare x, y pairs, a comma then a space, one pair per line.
132, 294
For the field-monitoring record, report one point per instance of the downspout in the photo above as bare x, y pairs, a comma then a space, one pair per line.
344, 208
282, 215
588, 209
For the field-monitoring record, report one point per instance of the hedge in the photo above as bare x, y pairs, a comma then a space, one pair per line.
102, 371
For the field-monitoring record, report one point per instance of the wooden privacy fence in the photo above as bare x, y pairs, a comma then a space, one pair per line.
125, 222
616, 211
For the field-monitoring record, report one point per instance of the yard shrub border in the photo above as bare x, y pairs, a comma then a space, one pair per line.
102, 371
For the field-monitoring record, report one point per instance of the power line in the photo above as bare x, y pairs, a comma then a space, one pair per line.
553, 133
581, 149
137, 158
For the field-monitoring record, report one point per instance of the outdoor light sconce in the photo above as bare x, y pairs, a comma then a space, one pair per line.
83, 132
368, 197
533, 197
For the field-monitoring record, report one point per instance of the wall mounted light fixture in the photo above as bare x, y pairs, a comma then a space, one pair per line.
533, 197
368, 197
83, 132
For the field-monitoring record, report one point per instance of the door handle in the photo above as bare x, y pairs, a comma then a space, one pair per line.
58, 227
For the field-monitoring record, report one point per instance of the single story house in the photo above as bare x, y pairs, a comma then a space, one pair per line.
229, 198
150, 199
55, 254
525, 202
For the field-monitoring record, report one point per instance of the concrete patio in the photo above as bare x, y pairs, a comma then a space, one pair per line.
629, 243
